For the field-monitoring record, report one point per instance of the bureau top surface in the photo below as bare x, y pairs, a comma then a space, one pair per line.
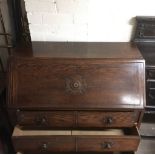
120, 50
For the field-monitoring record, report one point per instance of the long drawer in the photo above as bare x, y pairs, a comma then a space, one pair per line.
72, 119
66, 141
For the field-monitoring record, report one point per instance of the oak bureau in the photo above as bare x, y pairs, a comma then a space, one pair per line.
76, 97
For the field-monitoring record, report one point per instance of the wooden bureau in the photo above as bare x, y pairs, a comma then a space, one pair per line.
76, 97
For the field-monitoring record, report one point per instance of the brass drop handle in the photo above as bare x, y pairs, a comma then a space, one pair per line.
44, 147
107, 145
43, 120
150, 74
40, 120
19, 152
108, 120
141, 34
151, 96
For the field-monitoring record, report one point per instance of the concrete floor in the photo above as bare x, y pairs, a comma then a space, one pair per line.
147, 130
147, 146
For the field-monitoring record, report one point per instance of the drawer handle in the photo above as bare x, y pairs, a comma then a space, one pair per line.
150, 74
19, 152
44, 147
41, 121
108, 120
107, 145
141, 34
151, 96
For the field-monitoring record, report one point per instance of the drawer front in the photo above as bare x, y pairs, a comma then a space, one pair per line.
128, 141
80, 144
44, 144
75, 84
45, 120
151, 84
107, 119
151, 97
151, 73
111, 144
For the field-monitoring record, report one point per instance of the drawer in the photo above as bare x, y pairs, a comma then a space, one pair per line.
45, 119
75, 84
71, 141
107, 119
42, 141
151, 97
151, 84
128, 141
151, 73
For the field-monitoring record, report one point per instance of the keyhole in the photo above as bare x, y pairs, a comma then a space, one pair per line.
76, 85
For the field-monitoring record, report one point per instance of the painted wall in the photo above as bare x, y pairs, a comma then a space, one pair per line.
85, 20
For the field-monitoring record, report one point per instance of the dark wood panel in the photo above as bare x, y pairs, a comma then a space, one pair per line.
145, 29
107, 119
76, 84
1, 147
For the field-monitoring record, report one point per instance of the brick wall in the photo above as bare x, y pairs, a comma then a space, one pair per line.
85, 20
8, 28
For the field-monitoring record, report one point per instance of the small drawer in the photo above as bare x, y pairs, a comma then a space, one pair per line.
45, 141
107, 119
151, 73
72, 141
45, 119
151, 97
125, 142
151, 84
